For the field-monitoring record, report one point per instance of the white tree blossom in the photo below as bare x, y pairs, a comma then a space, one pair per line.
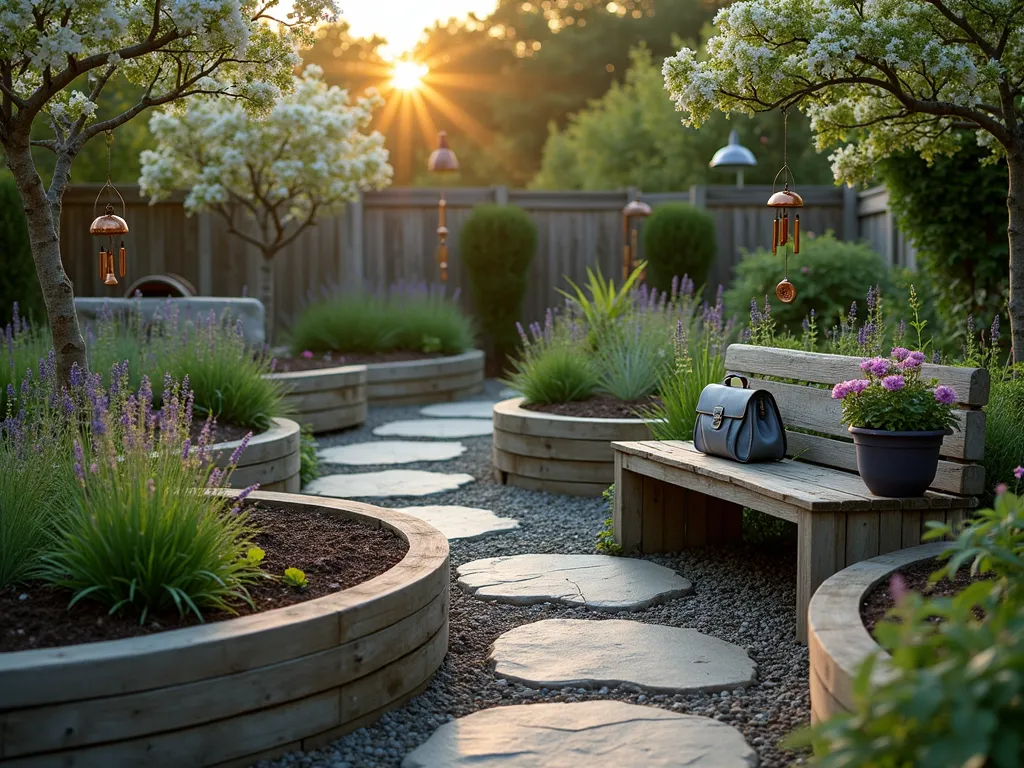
308, 156
876, 77
56, 56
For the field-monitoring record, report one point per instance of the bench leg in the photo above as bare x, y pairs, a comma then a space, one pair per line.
652, 516
821, 551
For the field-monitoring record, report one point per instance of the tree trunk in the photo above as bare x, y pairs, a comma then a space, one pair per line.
1015, 230
58, 293
266, 294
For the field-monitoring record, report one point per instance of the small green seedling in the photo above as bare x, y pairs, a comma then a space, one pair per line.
293, 577
255, 556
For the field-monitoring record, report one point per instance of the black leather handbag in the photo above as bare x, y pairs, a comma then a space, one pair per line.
741, 424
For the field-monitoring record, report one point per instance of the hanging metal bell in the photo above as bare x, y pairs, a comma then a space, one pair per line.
786, 291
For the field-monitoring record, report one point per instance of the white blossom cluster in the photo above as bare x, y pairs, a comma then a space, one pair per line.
311, 150
235, 41
842, 55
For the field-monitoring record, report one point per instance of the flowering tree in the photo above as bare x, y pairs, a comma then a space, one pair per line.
56, 56
877, 77
308, 156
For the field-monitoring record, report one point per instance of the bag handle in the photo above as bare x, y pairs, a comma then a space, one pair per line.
731, 376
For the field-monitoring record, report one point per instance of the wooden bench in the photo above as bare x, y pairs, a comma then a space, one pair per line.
669, 497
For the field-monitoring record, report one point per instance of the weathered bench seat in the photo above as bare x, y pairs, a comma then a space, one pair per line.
669, 497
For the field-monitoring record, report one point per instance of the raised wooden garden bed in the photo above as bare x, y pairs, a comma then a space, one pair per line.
560, 454
244, 689
271, 459
417, 382
327, 399
836, 636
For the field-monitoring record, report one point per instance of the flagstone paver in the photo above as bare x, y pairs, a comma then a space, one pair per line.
618, 652
390, 482
601, 582
457, 522
436, 428
391, 452
470, 409
594, 734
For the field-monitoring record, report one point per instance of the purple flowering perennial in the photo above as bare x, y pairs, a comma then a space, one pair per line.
237, 453
893, 383
945, 395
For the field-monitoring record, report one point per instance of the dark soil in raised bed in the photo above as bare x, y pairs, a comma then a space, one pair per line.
596, 407
319, 362
880, 600
335, 553
222, 433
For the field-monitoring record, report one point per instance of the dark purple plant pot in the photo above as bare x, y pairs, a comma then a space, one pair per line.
897, 464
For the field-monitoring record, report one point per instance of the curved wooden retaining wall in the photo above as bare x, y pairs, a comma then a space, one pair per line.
560, 454
271, 459
837, 639
327, 399
418, 382
240, 690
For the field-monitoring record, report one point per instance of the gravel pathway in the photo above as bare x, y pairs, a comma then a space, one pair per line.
745, 595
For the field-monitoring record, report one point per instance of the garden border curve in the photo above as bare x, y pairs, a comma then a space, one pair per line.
326, 399
243, 689
570, 455
420, 382
837, 639
271, 459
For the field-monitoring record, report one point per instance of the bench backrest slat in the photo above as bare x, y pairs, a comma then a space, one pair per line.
809, 409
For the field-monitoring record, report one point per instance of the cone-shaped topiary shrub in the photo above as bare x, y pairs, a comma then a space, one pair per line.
498, 245
678, 240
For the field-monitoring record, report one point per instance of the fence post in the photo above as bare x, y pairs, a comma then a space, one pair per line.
699, 196
353, 258
500, 194
851, 224
204, 251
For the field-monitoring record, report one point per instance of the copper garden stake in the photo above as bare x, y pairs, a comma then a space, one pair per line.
782, 201
635, 209
442, 160
111, 227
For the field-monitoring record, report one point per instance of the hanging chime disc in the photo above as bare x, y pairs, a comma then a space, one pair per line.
786, 291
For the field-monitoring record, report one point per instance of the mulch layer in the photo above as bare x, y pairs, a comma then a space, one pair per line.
596, 407
335, 553
319, 362
879, 600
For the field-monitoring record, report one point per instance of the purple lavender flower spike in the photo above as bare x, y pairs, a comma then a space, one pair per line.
870, 298
675, 287
806, 324
755, 312
79, 461
945, 395
76, 376
214, 480
862, 336
745, 336
242, 496
237, 453
936, 357
185, 448
970, 325
522, 333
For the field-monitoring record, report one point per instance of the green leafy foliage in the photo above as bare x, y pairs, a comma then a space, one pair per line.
498, 245
293, 577
19, 286
963, 249
954, 695
678, 240
829, 276
407, 319
606, 544
631, 356
599, 302
309, 462
554, 365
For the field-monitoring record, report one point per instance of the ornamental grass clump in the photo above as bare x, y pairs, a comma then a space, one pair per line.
406, 318
142, 532
895, 398
554, 365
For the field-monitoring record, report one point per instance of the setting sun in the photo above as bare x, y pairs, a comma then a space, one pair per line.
408, 75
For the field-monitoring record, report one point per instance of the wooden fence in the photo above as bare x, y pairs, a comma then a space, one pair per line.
390, 236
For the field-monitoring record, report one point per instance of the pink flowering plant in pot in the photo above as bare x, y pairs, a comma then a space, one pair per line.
898, 421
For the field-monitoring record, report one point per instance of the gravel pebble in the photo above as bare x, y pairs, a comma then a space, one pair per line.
742, 594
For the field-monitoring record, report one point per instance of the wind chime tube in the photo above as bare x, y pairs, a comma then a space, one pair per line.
784, 238
796, 235
123, 258
775, 235
103, 264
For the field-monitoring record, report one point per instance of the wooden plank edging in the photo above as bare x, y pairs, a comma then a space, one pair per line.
837, 639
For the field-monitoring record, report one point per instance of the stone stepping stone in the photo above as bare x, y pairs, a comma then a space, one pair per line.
390, 482
436, 428
601, 582
470, 409
390, 452
618, 652
463, 522
594, 734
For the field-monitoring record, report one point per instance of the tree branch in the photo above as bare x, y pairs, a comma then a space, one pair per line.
962, 23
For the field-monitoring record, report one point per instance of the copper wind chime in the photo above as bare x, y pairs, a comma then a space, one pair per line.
784, 230
111, 227
442, 160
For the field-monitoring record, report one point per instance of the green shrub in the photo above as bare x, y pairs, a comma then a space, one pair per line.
19, 284
498, 244
954, 695
678, 240
554, 365
631, 356
408, 319
309, 466
142, 531
829, 276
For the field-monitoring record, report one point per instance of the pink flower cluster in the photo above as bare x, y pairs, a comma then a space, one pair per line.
945, 395
906, 358
854, 386
877, 366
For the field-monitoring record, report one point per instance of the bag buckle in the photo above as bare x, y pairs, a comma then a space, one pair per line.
716, 416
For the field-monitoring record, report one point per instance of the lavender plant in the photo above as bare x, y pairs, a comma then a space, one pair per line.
143, 533
407, 317
554, 365
22, 347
